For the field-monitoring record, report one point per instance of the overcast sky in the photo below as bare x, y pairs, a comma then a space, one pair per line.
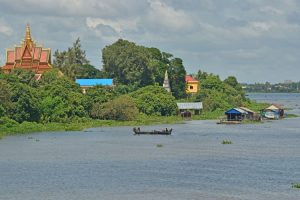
254, 40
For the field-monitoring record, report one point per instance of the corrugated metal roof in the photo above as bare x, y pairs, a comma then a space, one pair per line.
94, 82
247, 110
235, 111
274, 107
193, 105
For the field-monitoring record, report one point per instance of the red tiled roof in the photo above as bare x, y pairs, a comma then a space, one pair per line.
37, 52
10, 56
8, 66
44, 56
28, 56
18, 51
27, 53
189, 78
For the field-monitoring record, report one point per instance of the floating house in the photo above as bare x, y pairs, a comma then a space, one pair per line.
88, 83
194, 107
192, 85
236, 114
251, 115
273, 112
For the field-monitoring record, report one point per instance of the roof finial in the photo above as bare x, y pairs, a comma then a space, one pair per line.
28, 36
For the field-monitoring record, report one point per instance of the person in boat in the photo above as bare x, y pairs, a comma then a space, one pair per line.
166, 129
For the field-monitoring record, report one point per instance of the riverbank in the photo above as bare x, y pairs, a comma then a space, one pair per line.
10, 127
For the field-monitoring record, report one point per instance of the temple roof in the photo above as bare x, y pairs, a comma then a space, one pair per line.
28, 55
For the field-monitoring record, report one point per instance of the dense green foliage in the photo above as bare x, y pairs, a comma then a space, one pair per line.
296, 185
268, 87
139, 66
155, 100
217, 94
56, 100
74, 64
122, 108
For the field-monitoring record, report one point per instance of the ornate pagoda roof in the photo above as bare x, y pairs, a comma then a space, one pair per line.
28, 55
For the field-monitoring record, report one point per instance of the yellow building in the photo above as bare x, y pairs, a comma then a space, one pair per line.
192, 85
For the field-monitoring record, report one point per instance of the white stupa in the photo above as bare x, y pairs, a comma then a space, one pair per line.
166, 83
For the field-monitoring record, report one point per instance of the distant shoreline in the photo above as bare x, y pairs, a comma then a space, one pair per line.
273, 92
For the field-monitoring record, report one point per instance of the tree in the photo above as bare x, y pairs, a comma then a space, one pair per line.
122, 108
177, 75
127, 63
88, 71
232, 81
69, 61
25, 103
217, 94
24, 76
155, 100
50, 76
62, 101
130, 64
5, 95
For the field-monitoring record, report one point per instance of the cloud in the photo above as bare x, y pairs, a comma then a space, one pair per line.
162, 15
5, 29
272, 10
245, 38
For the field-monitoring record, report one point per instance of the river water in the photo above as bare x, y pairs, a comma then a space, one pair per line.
111, 163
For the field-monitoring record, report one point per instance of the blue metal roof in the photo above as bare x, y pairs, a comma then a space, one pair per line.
94, 82
235, 111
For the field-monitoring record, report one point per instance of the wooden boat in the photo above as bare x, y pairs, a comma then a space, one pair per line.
137, 131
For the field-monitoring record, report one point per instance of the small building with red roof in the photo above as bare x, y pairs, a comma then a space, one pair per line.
28, 56
192, 84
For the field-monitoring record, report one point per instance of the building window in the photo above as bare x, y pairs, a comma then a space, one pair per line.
191, 87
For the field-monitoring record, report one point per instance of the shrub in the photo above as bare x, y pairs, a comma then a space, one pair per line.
155, 100
122, 108
296, 185
7, 122
226, 142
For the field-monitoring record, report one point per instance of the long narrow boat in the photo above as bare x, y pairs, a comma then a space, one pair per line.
137, 131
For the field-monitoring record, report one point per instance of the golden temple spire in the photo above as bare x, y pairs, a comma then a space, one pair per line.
28, 36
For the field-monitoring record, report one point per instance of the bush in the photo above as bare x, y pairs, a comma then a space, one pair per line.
122, 108
296, 185
7, 122
155, 100
226, 142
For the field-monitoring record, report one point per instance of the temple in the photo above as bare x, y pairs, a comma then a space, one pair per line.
28, 56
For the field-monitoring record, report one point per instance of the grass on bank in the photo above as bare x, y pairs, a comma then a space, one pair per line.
291, 116
296, 185
10, 127
209, 115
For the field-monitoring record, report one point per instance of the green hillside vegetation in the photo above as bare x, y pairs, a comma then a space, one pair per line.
137, 98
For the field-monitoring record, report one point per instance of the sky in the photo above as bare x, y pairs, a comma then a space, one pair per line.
254, 40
